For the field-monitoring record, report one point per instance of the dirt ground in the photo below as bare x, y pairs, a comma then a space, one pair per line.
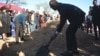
87, 46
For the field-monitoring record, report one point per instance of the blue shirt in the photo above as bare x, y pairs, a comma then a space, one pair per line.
20, 18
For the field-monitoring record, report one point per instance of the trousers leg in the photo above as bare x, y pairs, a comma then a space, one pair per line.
70, 37
71, 32
17, 27
33, 27
95, 31
99, 30
21, 31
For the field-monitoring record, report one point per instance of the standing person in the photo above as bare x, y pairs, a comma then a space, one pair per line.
30, 25
75, 16
89, 23
12, 25
5, 22
33, 24
96, 18
42, 21
37, 21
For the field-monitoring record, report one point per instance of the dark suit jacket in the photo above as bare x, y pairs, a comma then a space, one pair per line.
68, 11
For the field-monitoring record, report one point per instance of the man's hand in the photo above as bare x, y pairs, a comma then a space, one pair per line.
0, 24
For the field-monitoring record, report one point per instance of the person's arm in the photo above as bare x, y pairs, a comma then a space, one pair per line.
23, 21
91, 11
61, 24
0, 20
26, 21
59, 27
0, 23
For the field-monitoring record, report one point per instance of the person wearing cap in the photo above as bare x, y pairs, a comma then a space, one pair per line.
75, 16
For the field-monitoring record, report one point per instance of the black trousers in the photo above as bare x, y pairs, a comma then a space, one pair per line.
18, 31
89, 25
96, 24
71, 41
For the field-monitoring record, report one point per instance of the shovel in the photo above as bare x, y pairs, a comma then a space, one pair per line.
43, 50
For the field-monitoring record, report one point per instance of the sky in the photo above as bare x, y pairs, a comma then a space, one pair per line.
83, 4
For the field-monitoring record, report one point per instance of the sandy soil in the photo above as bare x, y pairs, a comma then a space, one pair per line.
87, 46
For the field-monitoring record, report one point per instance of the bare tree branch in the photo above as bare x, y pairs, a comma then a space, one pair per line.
17, 2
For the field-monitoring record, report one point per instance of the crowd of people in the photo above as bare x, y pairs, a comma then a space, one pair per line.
26, 22
17, 24
91, 23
